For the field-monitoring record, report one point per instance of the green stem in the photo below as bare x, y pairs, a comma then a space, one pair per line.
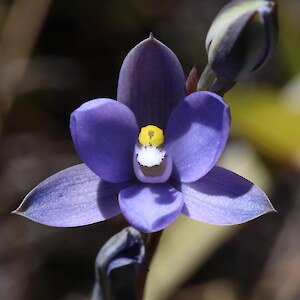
221, 86
206, 79
209, 81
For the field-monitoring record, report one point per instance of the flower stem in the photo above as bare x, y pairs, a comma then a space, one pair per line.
151, 243
206, 79
221, 86
209, 81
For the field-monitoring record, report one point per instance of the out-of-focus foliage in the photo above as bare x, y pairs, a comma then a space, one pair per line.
289, 39
184, 246
261, 116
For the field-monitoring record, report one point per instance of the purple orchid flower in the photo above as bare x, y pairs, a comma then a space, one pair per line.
150, 155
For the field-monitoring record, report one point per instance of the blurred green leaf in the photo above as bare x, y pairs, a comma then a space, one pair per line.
289, 36
240, 157
270, 125
183, 248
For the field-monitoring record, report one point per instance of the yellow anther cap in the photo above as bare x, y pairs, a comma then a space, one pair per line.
151, 135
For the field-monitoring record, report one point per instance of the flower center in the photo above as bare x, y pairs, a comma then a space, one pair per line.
151, 163
151, 138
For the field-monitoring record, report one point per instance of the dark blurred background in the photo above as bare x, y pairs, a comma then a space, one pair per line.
55, 55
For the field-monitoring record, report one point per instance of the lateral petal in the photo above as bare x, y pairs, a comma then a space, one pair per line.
224, 198
104, 133
196, 135
72, 197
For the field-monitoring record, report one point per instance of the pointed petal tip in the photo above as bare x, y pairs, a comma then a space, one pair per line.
152, 40
151, 36
272, 209
15, 212
269, 210
20, 209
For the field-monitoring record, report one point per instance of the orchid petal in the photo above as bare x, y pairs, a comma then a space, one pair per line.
224, 198
72, 197
151, 82
104, 132
150, 208
196, 135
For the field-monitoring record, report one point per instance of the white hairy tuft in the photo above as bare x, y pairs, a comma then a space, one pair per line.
150, 156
